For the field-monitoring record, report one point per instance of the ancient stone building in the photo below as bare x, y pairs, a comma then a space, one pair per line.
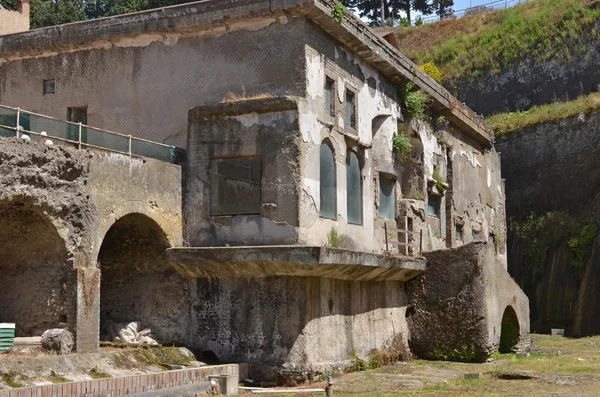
303, 231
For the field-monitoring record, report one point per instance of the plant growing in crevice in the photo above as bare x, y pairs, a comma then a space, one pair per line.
335, 239
414, 101
440, 181
401, 145
339, 12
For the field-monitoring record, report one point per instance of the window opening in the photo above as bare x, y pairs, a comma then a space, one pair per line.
329, 97
353, 189
350, 110
235, 187
49, 87
433, 205
387, 197
327, 182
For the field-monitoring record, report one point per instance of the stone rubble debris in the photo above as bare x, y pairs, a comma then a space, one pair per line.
128, 333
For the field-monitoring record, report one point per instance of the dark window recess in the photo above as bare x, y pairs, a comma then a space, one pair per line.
353, 189
350, 110
78, 114
329, 97
433, 205
459, 233
49, 87
476, 236
327, 182
235, 186
387, 197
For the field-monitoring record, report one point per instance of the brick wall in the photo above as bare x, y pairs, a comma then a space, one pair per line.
126, 385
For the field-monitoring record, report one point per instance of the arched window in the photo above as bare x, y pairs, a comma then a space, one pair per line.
353, 189
327, 182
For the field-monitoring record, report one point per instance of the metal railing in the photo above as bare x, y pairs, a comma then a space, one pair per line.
480, 9
16, 122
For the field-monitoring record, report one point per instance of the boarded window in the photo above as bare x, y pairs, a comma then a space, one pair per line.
235, 186
459, 233
350, 110
329, 97
433, 205
353, 189
387, 197
49, 87
327, 182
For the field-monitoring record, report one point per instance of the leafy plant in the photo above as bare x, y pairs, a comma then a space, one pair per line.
401, 145
414, 101
432, 70
339, 12
440, 181
580, 244
405, 22
335, 239
358, 364
419, 21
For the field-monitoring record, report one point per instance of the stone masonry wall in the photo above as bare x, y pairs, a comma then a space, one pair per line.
293, 327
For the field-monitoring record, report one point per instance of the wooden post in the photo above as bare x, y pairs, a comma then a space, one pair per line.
329, 388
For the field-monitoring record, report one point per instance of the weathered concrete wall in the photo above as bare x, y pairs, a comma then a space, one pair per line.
375, 97
555, 167
293, 326
267, 128
13, 21
530, 82
59, 203
144, 84
457, 307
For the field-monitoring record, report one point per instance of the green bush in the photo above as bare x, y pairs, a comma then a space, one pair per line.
401, 145
338, 12
414, 101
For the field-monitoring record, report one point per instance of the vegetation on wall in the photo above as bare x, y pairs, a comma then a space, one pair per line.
541, 29
401, 145
338, 12
440, 181
335, 239
538, 234
507, 123
414, 101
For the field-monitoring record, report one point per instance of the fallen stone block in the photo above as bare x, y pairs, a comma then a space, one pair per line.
58, 340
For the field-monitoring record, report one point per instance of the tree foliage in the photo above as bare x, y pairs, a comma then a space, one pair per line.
371, 9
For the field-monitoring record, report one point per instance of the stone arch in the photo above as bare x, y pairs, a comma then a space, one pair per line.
509, 330
35, 271
138, 284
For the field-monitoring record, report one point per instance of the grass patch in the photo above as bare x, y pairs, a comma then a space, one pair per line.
542, 29
54, 378
96, 373
11, 380
507, 123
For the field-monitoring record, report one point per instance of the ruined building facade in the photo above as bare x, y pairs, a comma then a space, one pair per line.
302, 231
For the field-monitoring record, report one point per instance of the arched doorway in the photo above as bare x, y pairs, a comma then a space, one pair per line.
510, 331
33, 270
138, 284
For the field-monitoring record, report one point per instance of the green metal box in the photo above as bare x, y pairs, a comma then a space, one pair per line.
7, 336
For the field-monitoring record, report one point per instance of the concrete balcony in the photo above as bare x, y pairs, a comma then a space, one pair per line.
296, 261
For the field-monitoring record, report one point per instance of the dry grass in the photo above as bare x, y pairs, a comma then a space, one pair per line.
507, 123
231, 97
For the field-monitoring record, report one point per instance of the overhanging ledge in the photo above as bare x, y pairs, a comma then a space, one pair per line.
291, 260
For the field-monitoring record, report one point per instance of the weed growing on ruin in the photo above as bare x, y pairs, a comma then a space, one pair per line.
335, 239
11, 380
54, 378
433, 71
507, 123
96, 373
440, 181
420, 196
339, 12
358, 364
414, 101
401, 145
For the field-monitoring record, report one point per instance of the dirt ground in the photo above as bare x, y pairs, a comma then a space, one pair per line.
557, 366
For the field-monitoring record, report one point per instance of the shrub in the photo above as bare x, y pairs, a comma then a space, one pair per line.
414, 101
401, 145
432, 70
